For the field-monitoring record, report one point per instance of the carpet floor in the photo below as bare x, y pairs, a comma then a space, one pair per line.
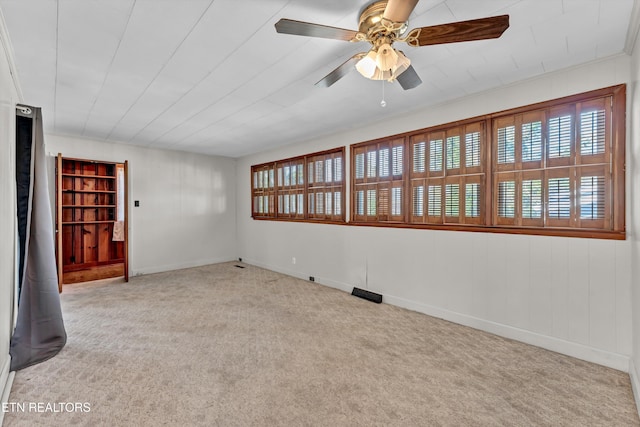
221, 345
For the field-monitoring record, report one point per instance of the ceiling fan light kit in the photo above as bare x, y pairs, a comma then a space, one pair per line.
384, 64
382, 23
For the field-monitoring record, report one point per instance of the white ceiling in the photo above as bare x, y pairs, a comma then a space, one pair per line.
214, 76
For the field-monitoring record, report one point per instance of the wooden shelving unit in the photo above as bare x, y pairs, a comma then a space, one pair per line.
88, 210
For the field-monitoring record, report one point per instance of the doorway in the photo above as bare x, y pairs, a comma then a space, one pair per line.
91, 220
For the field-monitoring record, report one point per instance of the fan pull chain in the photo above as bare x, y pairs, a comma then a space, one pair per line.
383, 103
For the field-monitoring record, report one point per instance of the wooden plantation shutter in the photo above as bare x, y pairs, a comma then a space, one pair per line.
472, 174
326, 186
263, 191
518, 154
447, 175
427, 177
291, 185
378, 181
309, 187
553, 166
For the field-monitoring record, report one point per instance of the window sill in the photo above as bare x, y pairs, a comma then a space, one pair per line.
558, 232
532, 231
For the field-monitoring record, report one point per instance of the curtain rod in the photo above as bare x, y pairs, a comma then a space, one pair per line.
23, 109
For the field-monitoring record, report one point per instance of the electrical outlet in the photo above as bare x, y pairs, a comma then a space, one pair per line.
312, 279
293, 260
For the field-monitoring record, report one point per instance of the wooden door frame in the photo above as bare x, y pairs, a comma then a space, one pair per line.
126, 220
58, 226
59, 219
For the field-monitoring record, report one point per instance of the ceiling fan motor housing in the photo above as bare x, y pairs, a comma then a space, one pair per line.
373, 25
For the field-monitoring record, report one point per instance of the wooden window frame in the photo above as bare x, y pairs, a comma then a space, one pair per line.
490, 172
301, 190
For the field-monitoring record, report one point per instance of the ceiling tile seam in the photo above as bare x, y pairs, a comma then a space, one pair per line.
200, 82
231, 128
509, 6
106, 75
214, 103
230, 93
193, 27
428, 10
449, 9
514, 61
195, 86
533, 35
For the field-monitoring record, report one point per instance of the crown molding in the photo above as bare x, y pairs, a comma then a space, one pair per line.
8, 51
632, 30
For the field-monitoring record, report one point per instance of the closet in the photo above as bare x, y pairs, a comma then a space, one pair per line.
91, 220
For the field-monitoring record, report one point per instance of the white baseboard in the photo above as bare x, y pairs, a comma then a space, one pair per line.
579, 351
6, 381
179, 266
635, 384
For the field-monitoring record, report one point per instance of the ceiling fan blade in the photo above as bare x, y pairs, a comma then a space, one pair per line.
340, 72
399, 10
299, 28
409, 78
475, 29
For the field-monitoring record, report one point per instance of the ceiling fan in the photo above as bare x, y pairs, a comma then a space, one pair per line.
381, 24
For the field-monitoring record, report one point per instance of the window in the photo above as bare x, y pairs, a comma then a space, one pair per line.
447, 175
263, 190
378, 189
554, 168
308, 187
557, 170
326, 186
290, 188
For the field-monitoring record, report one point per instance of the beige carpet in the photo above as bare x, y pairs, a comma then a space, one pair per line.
219, 345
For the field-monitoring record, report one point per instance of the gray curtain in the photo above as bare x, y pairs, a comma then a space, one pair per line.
39, 333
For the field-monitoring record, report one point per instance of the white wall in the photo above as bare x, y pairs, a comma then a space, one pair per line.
187, 213
570, 295
9, 97
633, 165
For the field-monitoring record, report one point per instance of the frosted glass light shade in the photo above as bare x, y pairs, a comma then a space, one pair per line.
386, 57
367, 65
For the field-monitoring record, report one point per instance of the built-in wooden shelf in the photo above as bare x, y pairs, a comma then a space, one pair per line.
79, 175
87, 207
88, 191
88, 222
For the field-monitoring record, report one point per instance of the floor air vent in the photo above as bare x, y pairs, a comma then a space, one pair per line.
368, 295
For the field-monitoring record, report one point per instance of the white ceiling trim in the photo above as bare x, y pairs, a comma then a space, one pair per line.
8, 51
634, 28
